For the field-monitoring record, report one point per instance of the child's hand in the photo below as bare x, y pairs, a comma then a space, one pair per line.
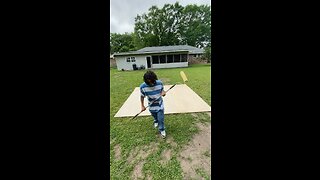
143, 108
163, 93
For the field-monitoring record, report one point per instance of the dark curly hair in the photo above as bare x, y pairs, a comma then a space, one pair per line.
150, 76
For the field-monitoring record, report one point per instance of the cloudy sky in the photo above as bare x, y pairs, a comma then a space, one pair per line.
123, 12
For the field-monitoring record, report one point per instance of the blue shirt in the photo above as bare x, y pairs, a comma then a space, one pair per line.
153, 93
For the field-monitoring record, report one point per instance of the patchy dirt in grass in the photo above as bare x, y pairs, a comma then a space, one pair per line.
137, 172
195, 154
140, 154
149, 177
171, 142
117, 150
132, 155
165, 156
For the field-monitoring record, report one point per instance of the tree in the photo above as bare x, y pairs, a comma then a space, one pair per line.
196, 25
207, 54
159, 27
174, 25
121, 42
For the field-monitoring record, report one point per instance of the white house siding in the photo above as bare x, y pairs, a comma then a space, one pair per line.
123, 64
170, 65
142, 60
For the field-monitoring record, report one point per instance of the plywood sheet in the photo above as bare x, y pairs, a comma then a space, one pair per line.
180, 99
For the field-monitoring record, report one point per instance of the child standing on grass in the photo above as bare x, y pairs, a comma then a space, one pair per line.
152, 88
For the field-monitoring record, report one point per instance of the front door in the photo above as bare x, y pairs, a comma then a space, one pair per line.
148, 62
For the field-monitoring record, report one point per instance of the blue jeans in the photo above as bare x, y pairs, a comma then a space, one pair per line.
159, 118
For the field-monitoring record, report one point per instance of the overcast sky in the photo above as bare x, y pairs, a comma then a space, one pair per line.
123, 12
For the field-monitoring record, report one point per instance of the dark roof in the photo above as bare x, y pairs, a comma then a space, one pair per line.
191, 49
164, 49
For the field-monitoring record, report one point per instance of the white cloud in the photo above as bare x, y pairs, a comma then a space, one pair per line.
120, 27
123, 12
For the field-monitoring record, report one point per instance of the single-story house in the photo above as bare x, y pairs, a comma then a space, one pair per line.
157, 57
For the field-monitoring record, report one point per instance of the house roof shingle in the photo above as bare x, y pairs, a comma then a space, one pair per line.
163, 49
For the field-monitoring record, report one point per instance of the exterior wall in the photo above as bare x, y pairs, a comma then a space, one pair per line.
170, 65
142, 60
123, 64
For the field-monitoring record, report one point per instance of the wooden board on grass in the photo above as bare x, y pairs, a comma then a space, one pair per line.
180, 99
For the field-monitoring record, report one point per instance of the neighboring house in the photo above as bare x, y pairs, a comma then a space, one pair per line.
157, 57
112, 61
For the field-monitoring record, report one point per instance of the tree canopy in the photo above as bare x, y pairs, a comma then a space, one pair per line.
174, 25
121, 42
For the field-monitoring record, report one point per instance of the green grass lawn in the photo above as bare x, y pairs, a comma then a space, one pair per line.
139, 135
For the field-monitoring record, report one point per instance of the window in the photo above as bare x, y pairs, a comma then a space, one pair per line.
176, 58
183, 58
155, 60
131, 59
169, 58
162, 59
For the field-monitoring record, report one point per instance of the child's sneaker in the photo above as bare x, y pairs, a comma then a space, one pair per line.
163, 134
155, 125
